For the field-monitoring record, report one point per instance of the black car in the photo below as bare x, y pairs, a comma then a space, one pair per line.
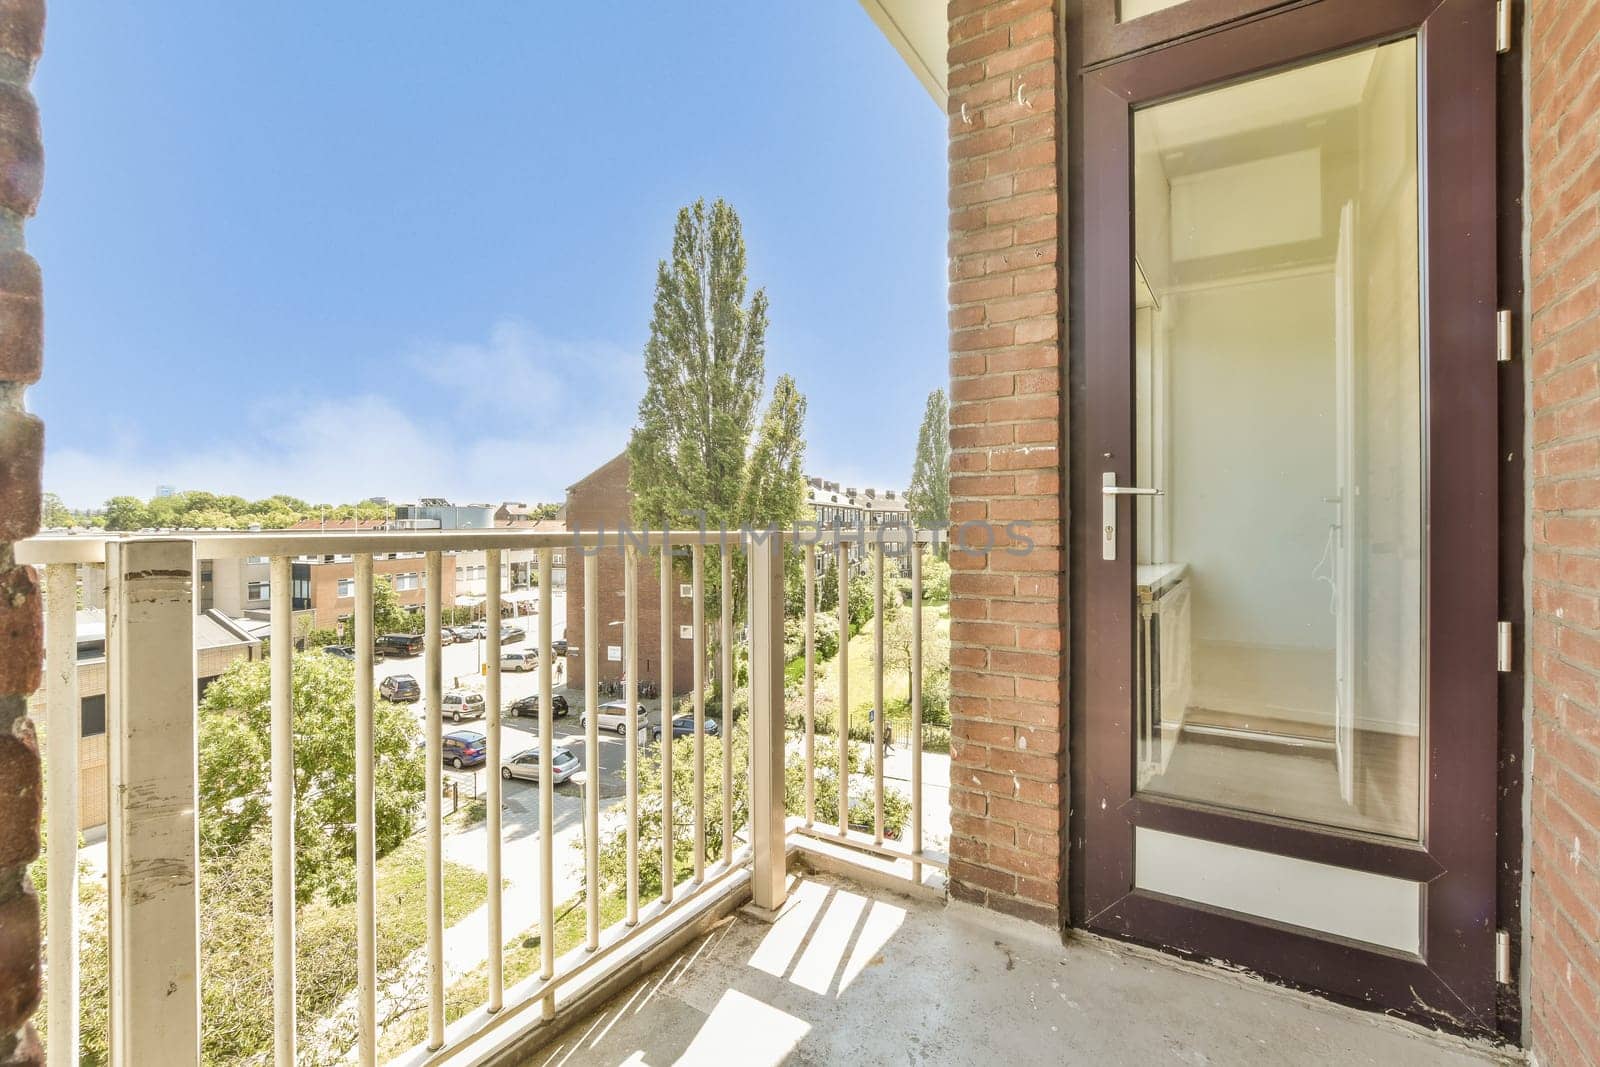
529, 706
559, 646
400, 688
401, 644
348, 652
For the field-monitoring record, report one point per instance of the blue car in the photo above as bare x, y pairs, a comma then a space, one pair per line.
683, 726
465, 748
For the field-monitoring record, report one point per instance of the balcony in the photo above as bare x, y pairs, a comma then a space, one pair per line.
775, 931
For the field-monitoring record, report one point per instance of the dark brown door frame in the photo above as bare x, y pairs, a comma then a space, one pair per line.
1452, 982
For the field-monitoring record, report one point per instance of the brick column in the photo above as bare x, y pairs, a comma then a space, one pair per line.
21, 451
1008, 754
1562, 51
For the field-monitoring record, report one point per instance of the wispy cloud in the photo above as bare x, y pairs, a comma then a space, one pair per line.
516, 415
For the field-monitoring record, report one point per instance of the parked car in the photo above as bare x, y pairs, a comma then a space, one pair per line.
400, 689
510, 635
475, 630
339, 651
529, 706
465, 748
519, 661
525, 764
612, 715
559, 646
402, 644
683, 726
447, 636
463, 704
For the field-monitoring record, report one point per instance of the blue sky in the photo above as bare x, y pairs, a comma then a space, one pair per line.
308, 248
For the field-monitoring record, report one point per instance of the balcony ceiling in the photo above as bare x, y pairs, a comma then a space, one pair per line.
919, 32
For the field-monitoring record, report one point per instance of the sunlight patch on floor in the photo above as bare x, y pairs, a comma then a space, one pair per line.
746, 1031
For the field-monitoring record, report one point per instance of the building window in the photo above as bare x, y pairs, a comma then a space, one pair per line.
461, 573
686, 633
255, 559
93, 715
347, 588
405, 583
258, 591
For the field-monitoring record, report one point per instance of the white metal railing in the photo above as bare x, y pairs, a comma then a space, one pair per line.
153, 861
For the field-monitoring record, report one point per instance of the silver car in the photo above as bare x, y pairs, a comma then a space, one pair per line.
518, 661
463, 704
525, 764
613, 715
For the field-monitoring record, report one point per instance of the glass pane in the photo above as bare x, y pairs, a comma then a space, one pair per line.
1278, 397
1132, 9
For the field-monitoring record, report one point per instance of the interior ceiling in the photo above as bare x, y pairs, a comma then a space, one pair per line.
1294, 96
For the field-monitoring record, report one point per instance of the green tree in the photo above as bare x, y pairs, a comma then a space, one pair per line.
935, 580
53, 512
126, 513
696, 447
235, 768
929, 495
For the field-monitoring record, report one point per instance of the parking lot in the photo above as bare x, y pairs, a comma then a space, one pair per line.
462, 666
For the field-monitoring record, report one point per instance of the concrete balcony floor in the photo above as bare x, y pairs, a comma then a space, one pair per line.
853, 975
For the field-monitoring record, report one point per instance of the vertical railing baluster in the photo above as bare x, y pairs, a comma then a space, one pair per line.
727, 705
664, 746
768, 878
366, 823
880, 713
810, 564
152, 860
64, 718
281, 573
698, 606
491, 696
591, 743
547, 788
914, 549
433, 685
843, 563
630, 717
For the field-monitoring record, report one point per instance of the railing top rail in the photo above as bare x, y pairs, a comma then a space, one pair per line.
232, 544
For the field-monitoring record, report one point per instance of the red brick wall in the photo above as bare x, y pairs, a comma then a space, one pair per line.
21, 451
1562, 51
601, 500
1008, 751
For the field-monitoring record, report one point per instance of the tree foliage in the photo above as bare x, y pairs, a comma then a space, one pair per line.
236, 768
695, 447
929, 495
200, 509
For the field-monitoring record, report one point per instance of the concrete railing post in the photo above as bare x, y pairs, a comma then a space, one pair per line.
153, 833
769, 881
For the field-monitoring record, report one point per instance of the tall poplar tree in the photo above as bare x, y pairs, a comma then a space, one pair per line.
694, 447
929, 495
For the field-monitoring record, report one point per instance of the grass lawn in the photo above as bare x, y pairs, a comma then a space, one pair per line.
522, 955
896, 681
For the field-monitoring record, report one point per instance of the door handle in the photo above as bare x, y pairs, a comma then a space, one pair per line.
1109, 491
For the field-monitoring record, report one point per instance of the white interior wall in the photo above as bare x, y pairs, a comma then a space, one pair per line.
1252, 439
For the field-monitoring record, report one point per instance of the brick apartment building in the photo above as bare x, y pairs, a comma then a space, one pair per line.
323, 587
600, 500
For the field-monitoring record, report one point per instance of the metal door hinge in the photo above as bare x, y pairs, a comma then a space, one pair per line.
1503, 646
1502, 26
1502, 957
1502, 336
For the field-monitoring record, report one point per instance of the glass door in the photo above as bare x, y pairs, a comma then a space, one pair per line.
1290, 740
